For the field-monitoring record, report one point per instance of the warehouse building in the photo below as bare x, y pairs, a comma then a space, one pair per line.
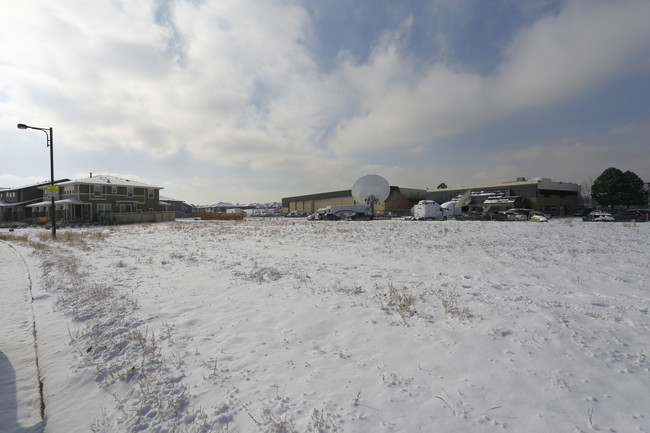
542, 194
400, 200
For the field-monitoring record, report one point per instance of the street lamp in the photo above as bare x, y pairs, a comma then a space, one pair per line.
50, 144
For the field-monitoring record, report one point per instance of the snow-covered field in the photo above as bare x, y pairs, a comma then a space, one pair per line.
384, 326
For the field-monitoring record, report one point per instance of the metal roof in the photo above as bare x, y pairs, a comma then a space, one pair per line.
20, 203
64, 201
104, 179
36, 185
542, 183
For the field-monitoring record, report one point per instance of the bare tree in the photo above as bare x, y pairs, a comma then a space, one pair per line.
585, 193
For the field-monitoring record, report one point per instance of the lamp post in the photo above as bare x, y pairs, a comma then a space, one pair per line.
50, 144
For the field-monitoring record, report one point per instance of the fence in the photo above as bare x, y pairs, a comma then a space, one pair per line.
144, 217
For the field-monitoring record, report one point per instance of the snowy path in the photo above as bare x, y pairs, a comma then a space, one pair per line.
19, 393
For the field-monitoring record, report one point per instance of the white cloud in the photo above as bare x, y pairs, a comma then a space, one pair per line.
244, 81
557, 58
13, 181
583, 47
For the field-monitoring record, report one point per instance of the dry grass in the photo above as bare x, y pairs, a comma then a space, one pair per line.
74, 237
12, 237
44, 236
264, 274
39, 246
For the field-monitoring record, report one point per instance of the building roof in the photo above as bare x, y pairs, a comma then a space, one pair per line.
543, 183
36, 185
47, 202
21, 203
407, 192
321, 195
69, 201
104, 179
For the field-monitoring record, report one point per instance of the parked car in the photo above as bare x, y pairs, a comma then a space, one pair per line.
598, 215
354, 216
645, 213
297, 214
493, 216
548, 216
518, 214
539, 217
582, 212
384, 214
468, 216
632, 215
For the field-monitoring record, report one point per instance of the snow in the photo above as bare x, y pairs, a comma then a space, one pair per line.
18, 371
297, 326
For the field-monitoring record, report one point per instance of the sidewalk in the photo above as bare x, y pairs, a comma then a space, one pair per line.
20, 402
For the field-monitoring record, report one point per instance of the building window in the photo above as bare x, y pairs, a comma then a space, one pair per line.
150, 192
103, 209
129, 191
114, 189
98, 190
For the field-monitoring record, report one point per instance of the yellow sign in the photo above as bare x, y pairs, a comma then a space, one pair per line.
52, 187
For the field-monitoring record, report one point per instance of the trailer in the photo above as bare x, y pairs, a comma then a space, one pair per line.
428, 210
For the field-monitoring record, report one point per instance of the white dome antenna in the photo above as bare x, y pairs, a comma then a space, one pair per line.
370, 190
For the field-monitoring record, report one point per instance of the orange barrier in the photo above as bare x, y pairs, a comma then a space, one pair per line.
221, 216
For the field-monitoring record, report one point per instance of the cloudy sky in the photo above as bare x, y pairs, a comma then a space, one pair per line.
251, 101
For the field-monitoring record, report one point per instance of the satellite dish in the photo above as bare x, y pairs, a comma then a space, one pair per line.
370, 189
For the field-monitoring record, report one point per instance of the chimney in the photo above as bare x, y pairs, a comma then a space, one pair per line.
91, 174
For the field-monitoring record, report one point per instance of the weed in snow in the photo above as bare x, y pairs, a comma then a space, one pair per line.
400, 301
451, 307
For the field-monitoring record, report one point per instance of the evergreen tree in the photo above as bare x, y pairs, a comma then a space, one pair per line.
635, 193
615, 188
607, 187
